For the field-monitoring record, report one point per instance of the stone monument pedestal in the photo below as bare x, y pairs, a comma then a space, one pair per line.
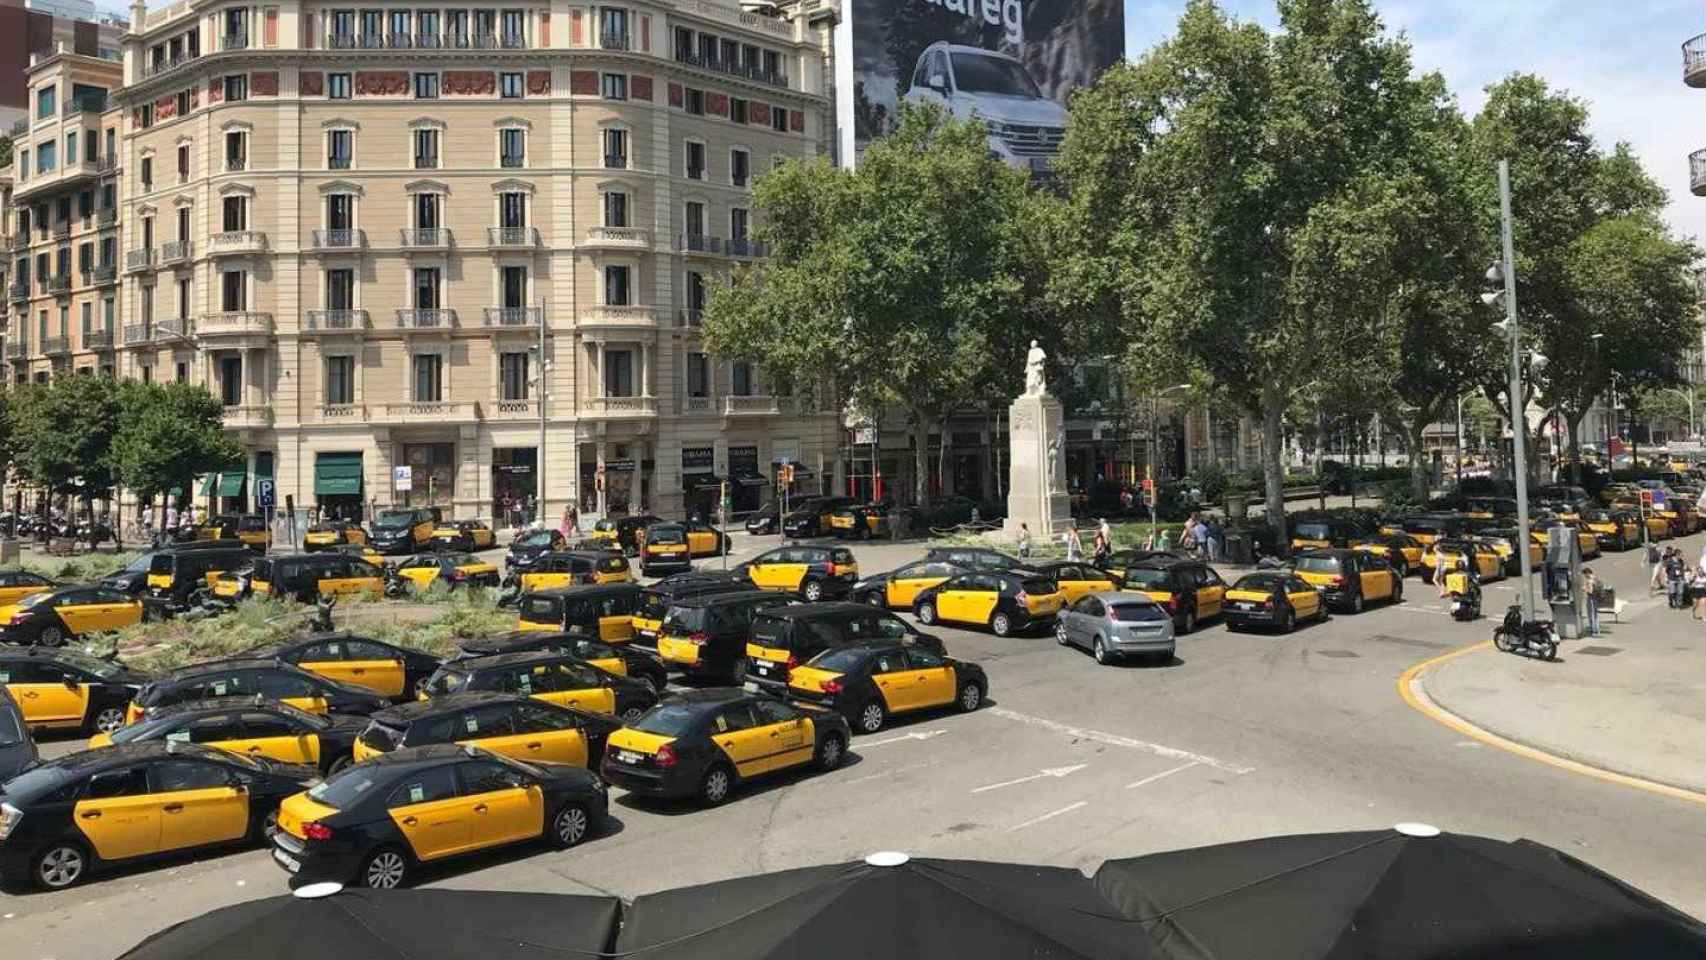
1036, 473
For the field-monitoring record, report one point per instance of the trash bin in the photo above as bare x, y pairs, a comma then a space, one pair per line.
1237, 506
1239, 550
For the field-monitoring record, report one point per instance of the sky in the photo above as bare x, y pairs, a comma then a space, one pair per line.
1624, 58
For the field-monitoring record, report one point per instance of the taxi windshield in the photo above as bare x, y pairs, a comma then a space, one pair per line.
142, 564
395, 520
446, 681
1314, 531
668, 720
604, 525
1318, 564
537, 538
1147, 578
82, 661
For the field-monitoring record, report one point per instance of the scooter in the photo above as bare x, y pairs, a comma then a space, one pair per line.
1536, 638
1465, 596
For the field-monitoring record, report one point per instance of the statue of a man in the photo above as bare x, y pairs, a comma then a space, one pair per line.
1035, 384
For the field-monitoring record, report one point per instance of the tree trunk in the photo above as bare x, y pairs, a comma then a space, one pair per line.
1414, 431
1320, 446
1273, 467
1574, 425
921, 459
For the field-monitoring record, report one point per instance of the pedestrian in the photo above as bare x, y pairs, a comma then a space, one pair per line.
1697, 592
1188, 535
1676, 574
1165, 542
1100, 550
1590, 591
1199, 533
1074, 546
1442, 566
566, 528
1216, 538
1024, 540
1106, 529
1657, 559
171, 517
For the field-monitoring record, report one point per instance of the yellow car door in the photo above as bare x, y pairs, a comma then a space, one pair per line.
737, 735
787, 735
892, 676
1304, 599
977, 599
504, 806
1211, 593
45, 692
118, 815
501, 730
356, 662
270, 735
568, 685
701, 541
1376, 583
933, 681
199, 803
434, 820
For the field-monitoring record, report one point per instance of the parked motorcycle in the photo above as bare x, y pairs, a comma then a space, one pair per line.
1537, 638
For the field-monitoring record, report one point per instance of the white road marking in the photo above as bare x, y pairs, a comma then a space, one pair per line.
886, 773
920, 735
1049, 816
1415, 609
1115, 740
1056, 772
1181, 768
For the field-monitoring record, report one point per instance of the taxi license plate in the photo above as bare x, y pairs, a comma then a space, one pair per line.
287, 861
648, 634
749, 687
628, 756
762, 667
1245, 605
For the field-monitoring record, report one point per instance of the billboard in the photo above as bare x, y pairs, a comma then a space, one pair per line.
1011, 63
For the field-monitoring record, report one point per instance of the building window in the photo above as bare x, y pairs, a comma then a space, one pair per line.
512, 147
47, 102
231, 381
183, 162
514, 32
147, 373
340, 380
698, 375
340, 211
147, 174
426, 211
618, 373
340, 289
426, 149
740, 377
429, 377
47, 156
183, 371
695, 290
236, 150
694, 219
340, 149
427, 288
183, 102
23, 164
237, 86
147, 115
109, 314
233, 291
71, 147
184, 301
615, 209
512, 210
426, 86
615, 86
337, 86
183, 224
147, 304
616, 286
509, 86
616, 149
778, 119
512, 375
708, 48
739, 163
694, 102
514, 287
728, 52
613, 28
234, 214
401, 34
737, 224
695, 160
737, 110
88, 312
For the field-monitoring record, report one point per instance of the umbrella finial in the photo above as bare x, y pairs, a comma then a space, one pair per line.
886, 858
1417, 829
317, 891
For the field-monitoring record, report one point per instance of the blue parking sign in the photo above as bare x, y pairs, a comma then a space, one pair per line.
264, 493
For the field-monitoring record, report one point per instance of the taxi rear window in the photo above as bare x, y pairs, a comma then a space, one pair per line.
162, 563
1318, 564
1137, 612
653, 605
1148, 579
1423, 526
840, 555
770, 631
685, 618
604, 525
538, 609
1314, 531
1038, 586
837, 659
666, 535
613, 564
668, 720
343, 790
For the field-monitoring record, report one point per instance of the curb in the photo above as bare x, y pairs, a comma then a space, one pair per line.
1412, 688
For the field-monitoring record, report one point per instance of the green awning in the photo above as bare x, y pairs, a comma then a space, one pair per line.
337, 474
175, 492
204, 484
231, 483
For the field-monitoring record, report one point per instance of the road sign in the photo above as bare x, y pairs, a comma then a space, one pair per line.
403, 478
1658, 499
264, 493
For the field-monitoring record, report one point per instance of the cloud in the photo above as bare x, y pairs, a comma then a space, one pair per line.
1624, 58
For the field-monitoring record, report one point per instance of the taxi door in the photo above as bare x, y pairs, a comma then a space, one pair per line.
431, 816
1078, 582
567, 685
117, 612
616, 619
1211, 593
1376, 584
357, 663
198, 805
77, 611
117, 815
701, 540
273, 736
931, 679
906, 583
789, 737
45, 692
778, 570
525, 741
746, 745
892, 676
1305, 600
504, 806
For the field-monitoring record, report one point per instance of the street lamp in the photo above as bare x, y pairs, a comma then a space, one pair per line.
1503, 273
1155, 448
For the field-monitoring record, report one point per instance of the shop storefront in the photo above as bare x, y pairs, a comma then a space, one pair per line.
432, 481
515, 477
338, 486
699, 481
621, 472
746, 483
227, 491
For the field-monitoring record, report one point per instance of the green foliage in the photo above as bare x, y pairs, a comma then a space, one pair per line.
1212, 481
89, 566
168, 434
65, 433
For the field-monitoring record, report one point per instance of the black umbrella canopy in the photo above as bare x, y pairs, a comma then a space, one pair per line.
886, 907
395, 925
1403, 894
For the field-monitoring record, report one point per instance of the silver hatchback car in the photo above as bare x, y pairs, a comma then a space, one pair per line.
1113, 626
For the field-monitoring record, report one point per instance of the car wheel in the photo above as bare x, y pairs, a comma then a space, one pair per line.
632, 714
150, 614
1060, 634
872, 716
59, 865
714, 787
1357, 602
1001, 624
812, 591
1288, 621
875, 599
1099, 651
570, 826
650, 683
1188, 620
51, 636
340, 765
971, 697
263, 829
384, 869
927, 613
830, 752
107, 719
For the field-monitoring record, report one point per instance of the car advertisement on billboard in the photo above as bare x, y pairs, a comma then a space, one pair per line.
1010, 63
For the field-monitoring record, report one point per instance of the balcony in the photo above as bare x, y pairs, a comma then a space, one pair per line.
232, 243
234, 41
54, 346
20, 127
107, 216
18, 290
689, 318
17, 349
233, 323
430, 238
614, 41
432, 411
699, 244
755, 73
429, 319
248, 415
513, 316
97, 339
518, 238
163, 66
135, 333
512, 410
107, 165
615, 161
1697, 173
744, 247
171, 329
236, 164
105, 275
1693, 63
138, 261
62, 230
335, 321
339, 240
620, 408
751, 407
628, 318
95, 103
698, 405
618, 238
176, 251
59, 285
341, 413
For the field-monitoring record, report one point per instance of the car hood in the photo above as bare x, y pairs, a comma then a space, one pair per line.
1028, 111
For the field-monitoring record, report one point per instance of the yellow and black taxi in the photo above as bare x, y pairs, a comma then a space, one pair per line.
449, 569
375, 824
17, 748
305, 577
601, 611
703, 743
405, 530
1503, 541
1428, 527
1480, 555
333, 533
897, 588
811, 518
1401, 550
656, 599
253, 532
624, 660
1311, 533
976, 558
666, 549
176, 573
549, 675
707, 636
1119, 562
69, 817
1189, 590
622, 533
1078, 580
15, 585
1348, 579
1006, 602
249, 677
463, 535
220, 527
1587, 542
785, 637
532, 545
53, 617
1272, 598
816, 573
869, 682
1616, 529
509, 724
859, 521
549, 571
361, 551
1489, 508
253, 726
66, 689
385, 668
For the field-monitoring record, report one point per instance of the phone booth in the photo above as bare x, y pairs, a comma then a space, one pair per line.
1561, 580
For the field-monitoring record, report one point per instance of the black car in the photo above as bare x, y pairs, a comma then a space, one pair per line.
354, 660
867, 683
656, 599
811, 517
62, 819
372, 824
66, 689
624, 660
706, 636
976, 558
767, 519
703, 743
17, 747
252, 726
133, 579
530, 546
785, 637
177, 573
622, 533
549, 675
511, 724
272, 679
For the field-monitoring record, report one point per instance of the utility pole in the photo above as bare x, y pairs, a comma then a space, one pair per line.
1506, 271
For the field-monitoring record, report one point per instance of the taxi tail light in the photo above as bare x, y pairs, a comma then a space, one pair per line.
832, 687
793, 661
458, 576
1171, 604
1336, 582
316, 831
699, 639
1268, 604
665, 756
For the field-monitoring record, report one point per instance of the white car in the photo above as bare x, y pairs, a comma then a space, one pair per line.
1025, 127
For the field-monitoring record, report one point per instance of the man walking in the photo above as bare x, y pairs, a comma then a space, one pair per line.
1590, 592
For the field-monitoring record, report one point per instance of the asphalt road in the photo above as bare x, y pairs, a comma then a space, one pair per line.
1244, 735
